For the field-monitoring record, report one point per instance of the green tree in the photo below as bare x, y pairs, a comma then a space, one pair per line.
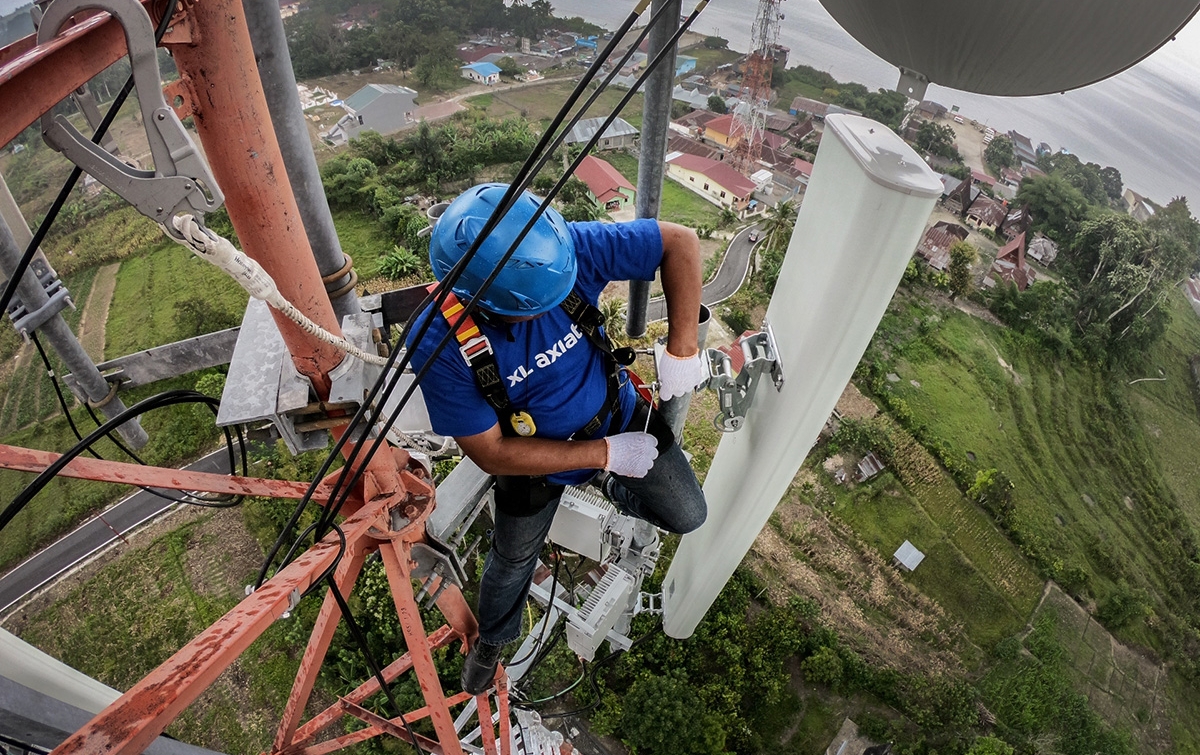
716, 103
663, 714
936, 139
823, 667
435, 71
1057, 207
990, 746
1113, 185
962, 260
1000, 154
714, 42
508, 66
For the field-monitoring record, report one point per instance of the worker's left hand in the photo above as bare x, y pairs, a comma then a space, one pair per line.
679, 375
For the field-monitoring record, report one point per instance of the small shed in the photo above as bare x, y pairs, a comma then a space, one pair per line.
908, 557
869, 467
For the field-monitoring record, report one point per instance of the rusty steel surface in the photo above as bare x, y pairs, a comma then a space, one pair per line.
318, 723
32, 460
230, 111
318, 644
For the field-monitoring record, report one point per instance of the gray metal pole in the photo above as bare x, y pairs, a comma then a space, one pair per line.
279, 83
63, 341
656, 118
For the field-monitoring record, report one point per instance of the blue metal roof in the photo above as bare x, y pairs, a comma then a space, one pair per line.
483, 69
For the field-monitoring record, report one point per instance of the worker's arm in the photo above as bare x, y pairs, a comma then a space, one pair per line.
630, 454
500, 455
681, 280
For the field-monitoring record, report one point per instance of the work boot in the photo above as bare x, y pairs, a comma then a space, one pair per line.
479, 671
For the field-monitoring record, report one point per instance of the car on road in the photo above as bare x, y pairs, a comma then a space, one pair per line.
754, 236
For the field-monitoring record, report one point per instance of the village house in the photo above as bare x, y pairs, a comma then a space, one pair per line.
1015, 222
982, 179
959, 199
804, 168
1043, 250
1011, 266
930, 110
715, 181
606, 185
720, 131
986, 212
619, 134
1139, 207
481, 73
695, 122
474, 53
383, 108
934, 247
1023, 147
679, 143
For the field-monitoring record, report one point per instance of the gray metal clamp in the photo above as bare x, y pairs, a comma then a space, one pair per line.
181, 182
736, 393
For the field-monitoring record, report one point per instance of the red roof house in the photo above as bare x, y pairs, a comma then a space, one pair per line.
1010, 264
715, 181
605, 183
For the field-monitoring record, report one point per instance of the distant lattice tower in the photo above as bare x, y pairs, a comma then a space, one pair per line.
750, 113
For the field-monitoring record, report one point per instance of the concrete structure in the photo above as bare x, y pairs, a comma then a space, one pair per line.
482, 73
384, 108
908, 557
619, 135
715, 181
608, 187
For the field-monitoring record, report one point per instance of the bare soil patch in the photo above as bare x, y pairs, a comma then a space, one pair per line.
95, 312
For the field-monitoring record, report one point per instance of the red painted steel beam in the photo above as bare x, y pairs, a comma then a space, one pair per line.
34, 78
222, 91
32, 460
130, 724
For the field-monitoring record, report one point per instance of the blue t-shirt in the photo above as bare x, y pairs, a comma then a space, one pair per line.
550, 369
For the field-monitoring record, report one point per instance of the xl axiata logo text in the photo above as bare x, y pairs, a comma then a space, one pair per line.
549, 356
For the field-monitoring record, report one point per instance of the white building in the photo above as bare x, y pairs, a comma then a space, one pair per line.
384, 108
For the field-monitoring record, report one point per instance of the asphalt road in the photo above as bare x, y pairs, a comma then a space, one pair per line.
92, 536
725, 283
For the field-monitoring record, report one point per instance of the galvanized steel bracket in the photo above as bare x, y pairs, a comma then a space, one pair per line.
25, 320
736, 393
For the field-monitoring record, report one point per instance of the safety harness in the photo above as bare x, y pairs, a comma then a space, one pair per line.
477, 351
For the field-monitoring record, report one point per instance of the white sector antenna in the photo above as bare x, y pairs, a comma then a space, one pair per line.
866, 206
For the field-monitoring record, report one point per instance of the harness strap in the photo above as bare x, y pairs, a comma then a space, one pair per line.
477, 352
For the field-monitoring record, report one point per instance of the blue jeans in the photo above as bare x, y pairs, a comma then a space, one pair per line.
669, 497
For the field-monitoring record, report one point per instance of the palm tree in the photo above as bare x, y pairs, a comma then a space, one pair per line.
779, 224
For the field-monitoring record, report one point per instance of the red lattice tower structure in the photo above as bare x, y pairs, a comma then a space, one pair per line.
750, 114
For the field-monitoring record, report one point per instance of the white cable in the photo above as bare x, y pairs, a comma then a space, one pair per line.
214, 249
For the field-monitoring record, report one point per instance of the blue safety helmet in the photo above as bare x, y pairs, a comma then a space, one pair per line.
537, 277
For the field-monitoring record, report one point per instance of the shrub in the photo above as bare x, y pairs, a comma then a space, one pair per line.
399, 263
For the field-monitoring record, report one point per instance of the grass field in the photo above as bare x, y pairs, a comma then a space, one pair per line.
541, 103
143, 311
138, 610
28, 395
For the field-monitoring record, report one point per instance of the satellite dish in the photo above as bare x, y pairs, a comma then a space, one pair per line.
1015, 48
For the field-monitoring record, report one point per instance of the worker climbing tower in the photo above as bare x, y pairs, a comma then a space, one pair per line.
750, 113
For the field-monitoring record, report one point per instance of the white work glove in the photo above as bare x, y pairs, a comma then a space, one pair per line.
631, 454
679, 375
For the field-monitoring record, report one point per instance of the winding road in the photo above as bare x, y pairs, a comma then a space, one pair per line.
729, 278
93, 536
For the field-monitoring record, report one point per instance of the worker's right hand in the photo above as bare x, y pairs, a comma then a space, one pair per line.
631, 454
